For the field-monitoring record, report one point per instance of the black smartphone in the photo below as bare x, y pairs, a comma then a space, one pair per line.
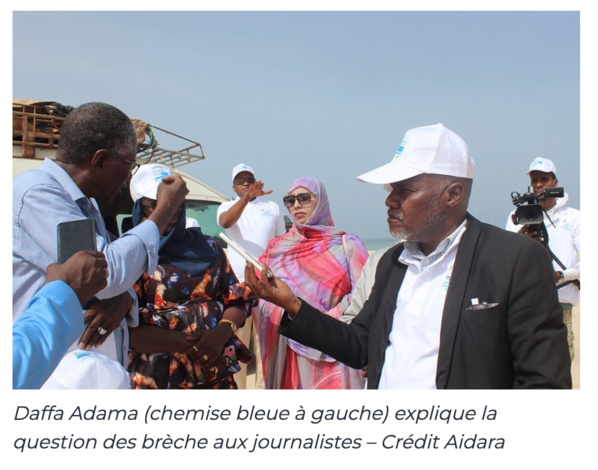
75, 236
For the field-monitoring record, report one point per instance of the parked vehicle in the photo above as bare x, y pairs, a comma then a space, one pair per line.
36, 133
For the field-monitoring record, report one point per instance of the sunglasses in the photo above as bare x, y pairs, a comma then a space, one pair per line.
240, 181
303, 198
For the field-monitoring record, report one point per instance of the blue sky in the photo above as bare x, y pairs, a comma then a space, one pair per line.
331, 95
325, 94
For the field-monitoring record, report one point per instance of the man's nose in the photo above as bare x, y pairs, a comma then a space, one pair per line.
392, 201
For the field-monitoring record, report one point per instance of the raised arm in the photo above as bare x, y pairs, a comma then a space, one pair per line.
230, 217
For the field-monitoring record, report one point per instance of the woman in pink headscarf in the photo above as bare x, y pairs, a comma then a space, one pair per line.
321, 264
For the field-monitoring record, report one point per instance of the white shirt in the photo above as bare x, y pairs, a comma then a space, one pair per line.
564, 240
412, 354
260, 222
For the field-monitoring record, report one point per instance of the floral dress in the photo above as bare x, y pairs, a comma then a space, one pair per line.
172, 299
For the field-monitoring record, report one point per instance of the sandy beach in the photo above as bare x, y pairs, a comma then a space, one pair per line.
576, 359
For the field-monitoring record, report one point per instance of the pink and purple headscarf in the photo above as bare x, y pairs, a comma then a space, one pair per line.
320, 218
312, 260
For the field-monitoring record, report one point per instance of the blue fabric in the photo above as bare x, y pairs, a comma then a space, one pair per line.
46, 197
43, 334
185, 248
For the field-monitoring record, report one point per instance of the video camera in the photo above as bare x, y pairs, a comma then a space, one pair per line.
529, 211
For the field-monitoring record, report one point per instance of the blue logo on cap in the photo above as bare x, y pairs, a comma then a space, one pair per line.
159, 174
400, 149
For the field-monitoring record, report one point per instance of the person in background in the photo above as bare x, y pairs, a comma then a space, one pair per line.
190, 308
250, 221
457, 305
563, 227
321, 264
94, 161
53, 319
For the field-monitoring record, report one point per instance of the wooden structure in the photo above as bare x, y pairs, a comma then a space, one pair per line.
36, 126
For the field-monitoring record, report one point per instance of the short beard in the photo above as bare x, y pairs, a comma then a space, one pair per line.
427, 223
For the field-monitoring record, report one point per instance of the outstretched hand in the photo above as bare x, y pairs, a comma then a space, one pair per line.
257, 190
272, 289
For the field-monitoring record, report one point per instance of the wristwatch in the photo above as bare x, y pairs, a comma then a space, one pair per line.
561, 276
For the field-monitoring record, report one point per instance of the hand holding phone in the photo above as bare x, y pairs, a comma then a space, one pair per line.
75, 236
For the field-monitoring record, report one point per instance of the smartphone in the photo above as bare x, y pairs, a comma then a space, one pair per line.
244, 254
75, 236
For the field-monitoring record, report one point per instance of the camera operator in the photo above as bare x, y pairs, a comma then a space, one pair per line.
563, 229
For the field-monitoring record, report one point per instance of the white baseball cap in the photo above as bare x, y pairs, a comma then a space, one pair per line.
542, 164
428, 149
80, 369
242, 167
146, 180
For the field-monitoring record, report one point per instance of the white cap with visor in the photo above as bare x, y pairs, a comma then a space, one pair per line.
425, 150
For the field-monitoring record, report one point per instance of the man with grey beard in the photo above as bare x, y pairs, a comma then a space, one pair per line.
457, 304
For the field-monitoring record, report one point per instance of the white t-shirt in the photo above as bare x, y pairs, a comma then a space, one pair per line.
260, 222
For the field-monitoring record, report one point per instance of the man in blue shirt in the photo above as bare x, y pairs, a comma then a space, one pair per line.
53, 320
94, 161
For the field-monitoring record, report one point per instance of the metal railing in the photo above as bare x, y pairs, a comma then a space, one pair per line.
34, 128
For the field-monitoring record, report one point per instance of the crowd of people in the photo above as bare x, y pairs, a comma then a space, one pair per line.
456, 303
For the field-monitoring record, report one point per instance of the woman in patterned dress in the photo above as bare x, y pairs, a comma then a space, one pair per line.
189, 309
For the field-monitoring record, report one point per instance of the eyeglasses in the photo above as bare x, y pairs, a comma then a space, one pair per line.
303, 198
133, 166
240, 181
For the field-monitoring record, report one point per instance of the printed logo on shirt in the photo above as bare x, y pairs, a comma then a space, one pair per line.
566, 225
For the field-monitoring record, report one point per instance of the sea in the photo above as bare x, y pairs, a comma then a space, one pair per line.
375, 244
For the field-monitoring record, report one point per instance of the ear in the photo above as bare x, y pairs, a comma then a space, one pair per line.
455, 193
99, 160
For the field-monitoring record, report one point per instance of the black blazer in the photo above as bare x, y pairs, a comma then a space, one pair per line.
520, 343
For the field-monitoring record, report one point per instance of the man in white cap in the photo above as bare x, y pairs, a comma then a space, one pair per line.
251, 221
458, 304
563, 227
